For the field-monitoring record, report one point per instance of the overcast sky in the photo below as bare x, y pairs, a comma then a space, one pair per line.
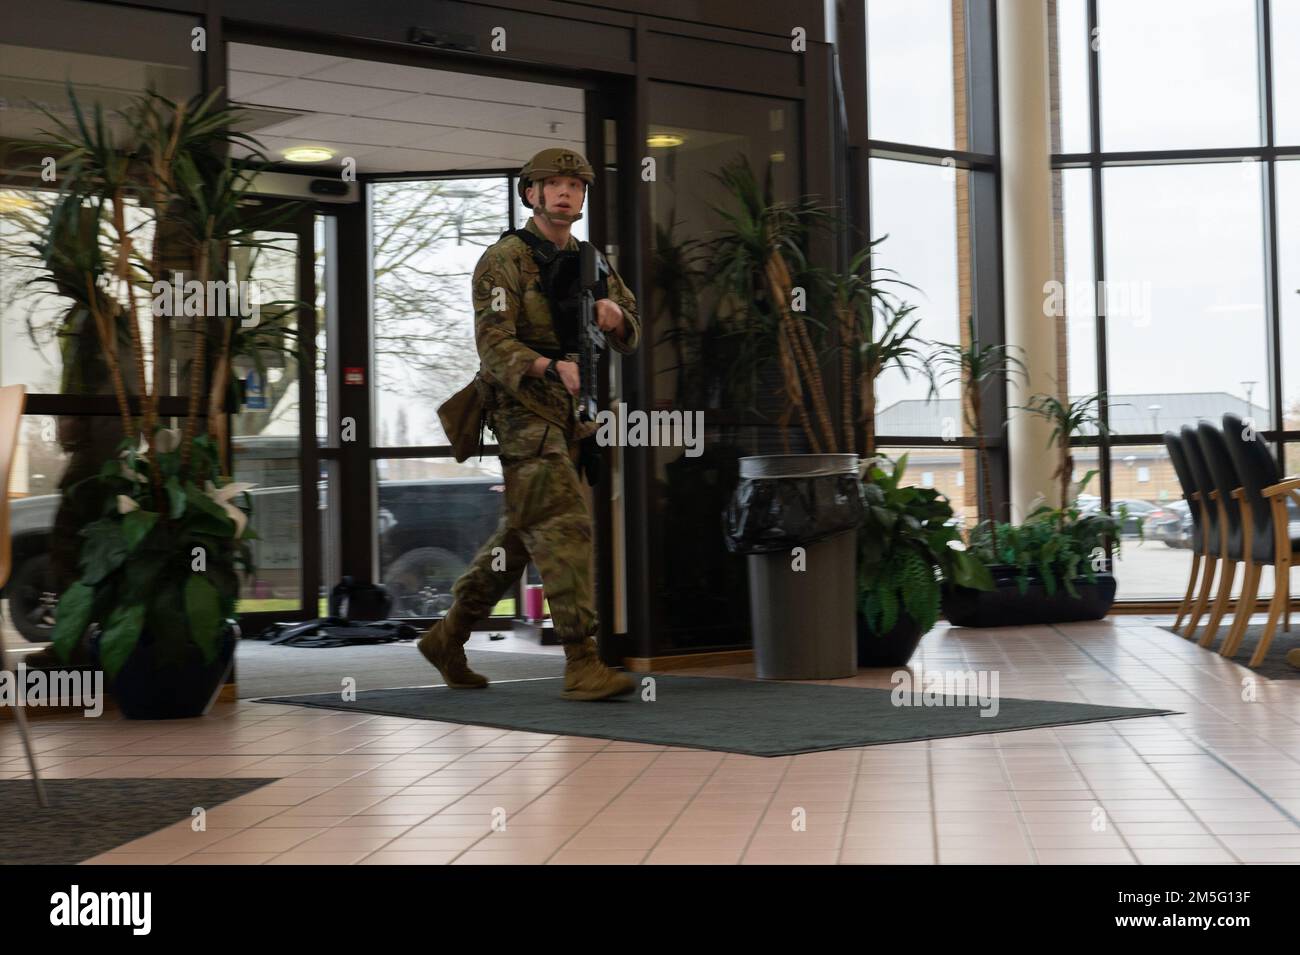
1190, 239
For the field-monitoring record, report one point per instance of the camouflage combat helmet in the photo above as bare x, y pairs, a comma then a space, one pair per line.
556, 161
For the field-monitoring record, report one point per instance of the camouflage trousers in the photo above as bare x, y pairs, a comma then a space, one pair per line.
546, 520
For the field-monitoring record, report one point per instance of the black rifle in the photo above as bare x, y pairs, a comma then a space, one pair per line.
593, 277
593, 281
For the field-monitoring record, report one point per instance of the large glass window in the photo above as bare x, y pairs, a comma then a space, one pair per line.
1075, 298
1286, 72
427, 237
432, 513
917, 206
1178, 74
1288, 270
1177, 325
929, 85
915, 72
1070, 75
1184, 245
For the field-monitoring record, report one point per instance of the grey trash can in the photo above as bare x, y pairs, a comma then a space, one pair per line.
804, 621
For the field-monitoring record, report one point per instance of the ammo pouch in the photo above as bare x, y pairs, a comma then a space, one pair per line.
464, 416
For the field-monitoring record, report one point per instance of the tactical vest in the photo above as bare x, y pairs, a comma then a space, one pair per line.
561, 284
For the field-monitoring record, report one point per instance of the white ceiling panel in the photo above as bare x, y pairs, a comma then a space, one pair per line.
326, 97
392, 118
278, 62
242, 85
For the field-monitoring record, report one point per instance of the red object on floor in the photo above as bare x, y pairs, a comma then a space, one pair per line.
533, 602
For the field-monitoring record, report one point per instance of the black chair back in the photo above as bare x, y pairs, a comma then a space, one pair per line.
1187, 480
1204, 482
1214, 448
1257, 470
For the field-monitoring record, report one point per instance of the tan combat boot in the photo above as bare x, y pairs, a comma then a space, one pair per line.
586, 678
443, 645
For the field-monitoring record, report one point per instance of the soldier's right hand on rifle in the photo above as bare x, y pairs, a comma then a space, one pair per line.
568, 371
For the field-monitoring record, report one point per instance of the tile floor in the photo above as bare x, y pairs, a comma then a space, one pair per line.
1218, 784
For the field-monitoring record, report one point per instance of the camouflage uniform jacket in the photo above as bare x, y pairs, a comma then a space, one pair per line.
508, 339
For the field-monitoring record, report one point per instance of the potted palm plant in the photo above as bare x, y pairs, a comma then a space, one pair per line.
974, 367
879, 330
159, 566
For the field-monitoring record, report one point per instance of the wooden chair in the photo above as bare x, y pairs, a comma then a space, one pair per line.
1214, 447
1200, 531
1213, 525
11, 416
1264, 497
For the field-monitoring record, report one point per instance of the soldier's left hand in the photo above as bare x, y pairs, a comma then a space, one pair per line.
609, 315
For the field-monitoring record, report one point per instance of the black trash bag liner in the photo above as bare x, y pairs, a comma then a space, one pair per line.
771, 514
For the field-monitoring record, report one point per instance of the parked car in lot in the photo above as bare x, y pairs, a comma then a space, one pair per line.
429, 531
1136, 512
1170, 523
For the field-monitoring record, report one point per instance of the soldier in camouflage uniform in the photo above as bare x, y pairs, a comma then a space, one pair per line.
532, 411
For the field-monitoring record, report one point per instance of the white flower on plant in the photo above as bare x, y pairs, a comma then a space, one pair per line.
127, 471
223, 495
167, 439
131, 474
126, 504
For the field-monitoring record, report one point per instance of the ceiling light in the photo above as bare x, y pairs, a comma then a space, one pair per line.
308, 154
14, 201
664, 140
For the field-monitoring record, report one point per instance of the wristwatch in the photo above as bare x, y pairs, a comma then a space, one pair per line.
552, 372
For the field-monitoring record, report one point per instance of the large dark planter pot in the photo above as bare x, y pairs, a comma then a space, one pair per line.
1006, 606
892, 649
149, 687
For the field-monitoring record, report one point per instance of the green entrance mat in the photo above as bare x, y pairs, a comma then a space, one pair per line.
89, 816
731, 716
1274, 665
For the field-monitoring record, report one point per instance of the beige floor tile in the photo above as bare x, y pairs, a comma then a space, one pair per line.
611, 856
380, 791
262, 840
227, 858
392, 857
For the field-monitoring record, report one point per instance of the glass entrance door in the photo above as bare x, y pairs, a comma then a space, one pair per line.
273, 422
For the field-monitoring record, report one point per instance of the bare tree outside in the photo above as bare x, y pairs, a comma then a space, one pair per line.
427, 238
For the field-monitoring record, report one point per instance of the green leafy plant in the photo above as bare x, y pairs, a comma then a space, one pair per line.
170, 573
905, 550
1054, 545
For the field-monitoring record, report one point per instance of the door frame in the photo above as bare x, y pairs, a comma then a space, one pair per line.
300, 223
607, 95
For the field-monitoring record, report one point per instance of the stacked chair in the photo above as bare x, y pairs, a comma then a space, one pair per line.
1264, 498
1201, 491
1223, 475
1201, 545
1240, 508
